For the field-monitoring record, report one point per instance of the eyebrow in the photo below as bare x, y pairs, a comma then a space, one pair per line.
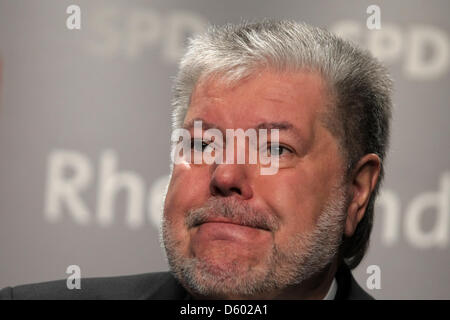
205, 125
283, 125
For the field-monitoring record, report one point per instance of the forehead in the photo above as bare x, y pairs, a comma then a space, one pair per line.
266, 96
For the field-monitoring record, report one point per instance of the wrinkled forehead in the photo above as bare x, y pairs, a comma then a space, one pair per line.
262, 97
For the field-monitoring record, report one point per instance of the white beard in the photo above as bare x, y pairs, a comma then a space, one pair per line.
304, 256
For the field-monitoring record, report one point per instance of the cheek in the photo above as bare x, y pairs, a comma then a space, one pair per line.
295, 198
188, 188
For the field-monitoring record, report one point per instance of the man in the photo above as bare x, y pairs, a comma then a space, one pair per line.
231, 232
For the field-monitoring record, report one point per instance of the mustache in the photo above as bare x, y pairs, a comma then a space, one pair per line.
235, 211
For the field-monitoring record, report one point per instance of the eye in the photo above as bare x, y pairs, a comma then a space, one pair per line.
279, 150
198, 145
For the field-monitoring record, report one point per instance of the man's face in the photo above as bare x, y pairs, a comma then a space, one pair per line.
295, 217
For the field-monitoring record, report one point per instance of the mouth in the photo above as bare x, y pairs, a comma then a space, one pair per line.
231, 232
227, 221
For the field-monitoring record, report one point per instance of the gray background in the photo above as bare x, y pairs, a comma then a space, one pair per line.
103, 93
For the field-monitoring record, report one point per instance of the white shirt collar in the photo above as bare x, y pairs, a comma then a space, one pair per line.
331, 294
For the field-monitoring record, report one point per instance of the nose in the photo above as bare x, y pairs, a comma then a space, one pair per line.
230, 180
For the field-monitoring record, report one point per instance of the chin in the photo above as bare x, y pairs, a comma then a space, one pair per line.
229, 279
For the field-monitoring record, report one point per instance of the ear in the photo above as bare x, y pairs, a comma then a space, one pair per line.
364, 178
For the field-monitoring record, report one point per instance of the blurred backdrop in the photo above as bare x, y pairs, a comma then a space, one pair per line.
84, 133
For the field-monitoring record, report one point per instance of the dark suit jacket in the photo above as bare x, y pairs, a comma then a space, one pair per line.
156, 286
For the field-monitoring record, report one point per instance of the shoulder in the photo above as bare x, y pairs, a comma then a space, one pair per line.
348, 288
157, 285
358, 293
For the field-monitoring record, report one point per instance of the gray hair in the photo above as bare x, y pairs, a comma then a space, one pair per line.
359, 87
